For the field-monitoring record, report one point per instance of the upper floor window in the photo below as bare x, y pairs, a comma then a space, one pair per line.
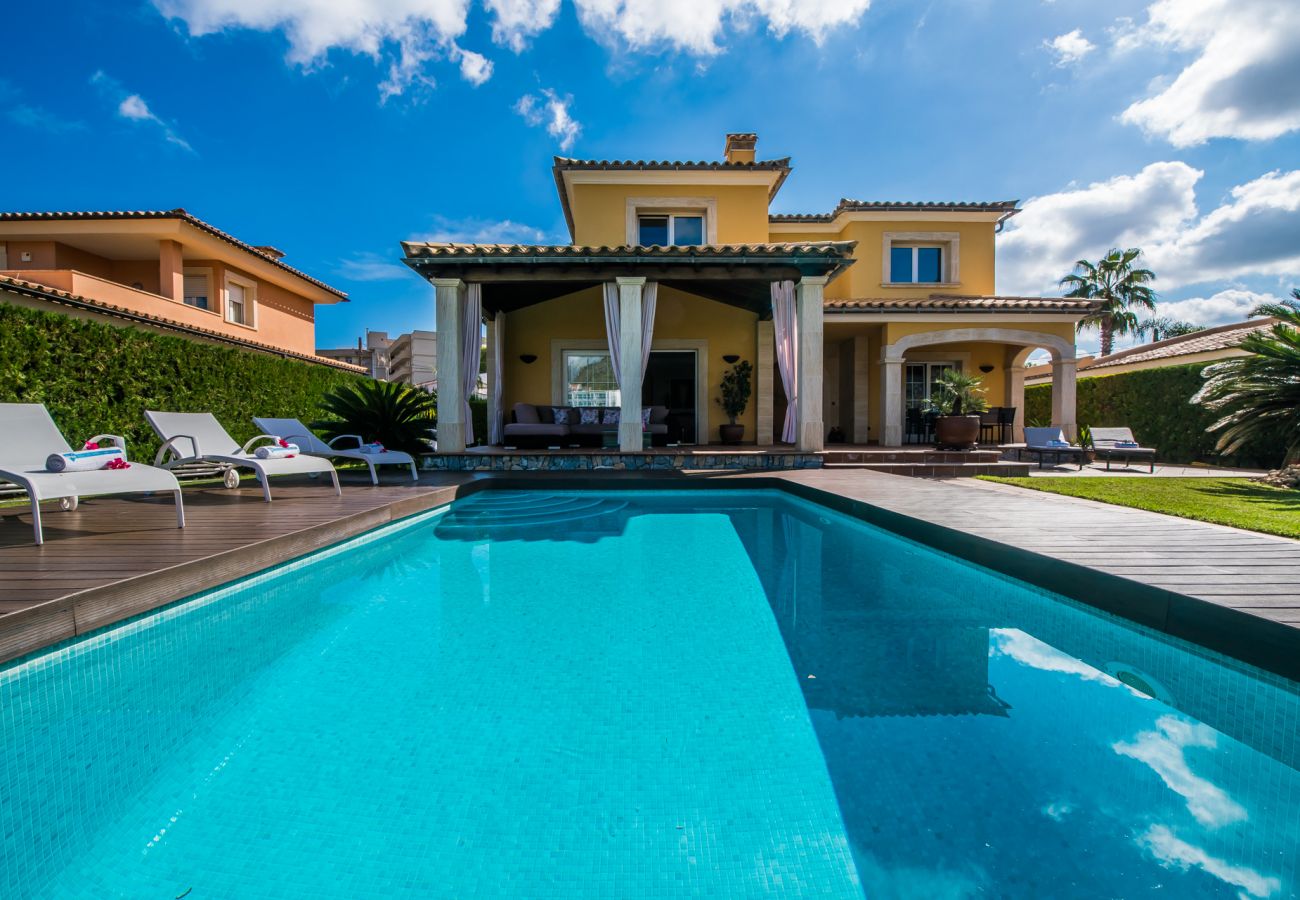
670, 230
198, 288
241, 296
915, 265
920, 257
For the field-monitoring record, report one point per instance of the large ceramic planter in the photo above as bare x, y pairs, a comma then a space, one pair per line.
731, 434
957, 432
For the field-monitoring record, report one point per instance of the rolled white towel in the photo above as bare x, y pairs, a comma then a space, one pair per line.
372, 448
272, 451
83, 460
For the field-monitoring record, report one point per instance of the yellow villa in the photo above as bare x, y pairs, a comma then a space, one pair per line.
677, 270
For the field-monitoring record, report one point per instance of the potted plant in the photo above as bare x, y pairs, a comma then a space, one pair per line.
735, 390
961, 396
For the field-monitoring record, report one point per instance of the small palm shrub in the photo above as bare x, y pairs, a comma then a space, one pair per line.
396, 415
736, 387
958, 394
1259, 395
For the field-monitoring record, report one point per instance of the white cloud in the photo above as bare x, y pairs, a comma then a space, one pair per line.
474, 67
1164, 750
133, 107
372, 267
1229, 305
1030, 651
1254, 232
480, 231
1244, 81
696, 25
550, 109
515, 21
409, 34
1173, 852
1070, 47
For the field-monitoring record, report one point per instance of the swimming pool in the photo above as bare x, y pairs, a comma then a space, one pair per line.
642, 694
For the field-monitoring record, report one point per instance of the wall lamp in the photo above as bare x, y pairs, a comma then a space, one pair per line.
986, 368
528, 358
730, 358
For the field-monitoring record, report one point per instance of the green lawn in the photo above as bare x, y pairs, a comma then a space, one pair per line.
1239, 502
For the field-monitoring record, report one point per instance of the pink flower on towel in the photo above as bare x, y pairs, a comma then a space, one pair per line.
117, 462
283, 442
90, 445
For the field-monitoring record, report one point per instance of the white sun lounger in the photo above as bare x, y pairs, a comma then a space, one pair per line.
199, 437
295, 432
28, 435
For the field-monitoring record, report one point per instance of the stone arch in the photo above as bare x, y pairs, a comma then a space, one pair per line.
1060, 348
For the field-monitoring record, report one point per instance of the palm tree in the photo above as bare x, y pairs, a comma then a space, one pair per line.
1120, 288
1164, 327
396, 415
1260, 394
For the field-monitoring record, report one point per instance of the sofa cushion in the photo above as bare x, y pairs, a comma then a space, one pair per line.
589, 415
526, 414
561, 415
536, 429
610, 416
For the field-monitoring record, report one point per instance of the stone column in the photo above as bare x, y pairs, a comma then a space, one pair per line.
171, 274
629, 374
451, 386
891, 401
493, 324
764, 373
861, 388
1063, 387
810, 435
1016, 398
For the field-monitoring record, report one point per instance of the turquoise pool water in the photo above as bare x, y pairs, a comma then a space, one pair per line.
642, 695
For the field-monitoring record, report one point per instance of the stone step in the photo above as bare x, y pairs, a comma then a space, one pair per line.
922, 456
939, 470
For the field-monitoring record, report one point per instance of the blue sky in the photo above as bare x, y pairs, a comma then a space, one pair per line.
334, 130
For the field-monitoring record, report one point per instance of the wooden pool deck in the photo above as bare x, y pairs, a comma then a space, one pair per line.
1232, 590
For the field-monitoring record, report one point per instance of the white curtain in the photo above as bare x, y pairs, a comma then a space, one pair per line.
470, 348
496, 428
613, 316
787, 351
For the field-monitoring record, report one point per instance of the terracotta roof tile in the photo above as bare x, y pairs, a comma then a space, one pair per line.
961, 303
66, 298
1008, 207
563, 163
178, 213
1223, 337
838, 249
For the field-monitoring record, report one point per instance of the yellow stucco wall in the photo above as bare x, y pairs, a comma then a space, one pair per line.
581, 317
600, 210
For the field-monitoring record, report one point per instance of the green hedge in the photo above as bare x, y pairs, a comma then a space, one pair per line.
96, 378
1156, 404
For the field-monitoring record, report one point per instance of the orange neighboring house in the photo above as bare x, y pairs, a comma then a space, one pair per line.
165, 271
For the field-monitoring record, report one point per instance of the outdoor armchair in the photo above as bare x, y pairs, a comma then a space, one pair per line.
295, 432
199, 437
1119, 443
30, 436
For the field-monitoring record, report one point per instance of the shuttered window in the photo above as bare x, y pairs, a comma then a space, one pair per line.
197, 289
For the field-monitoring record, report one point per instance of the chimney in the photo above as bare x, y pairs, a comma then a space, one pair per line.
740, 147
268, 250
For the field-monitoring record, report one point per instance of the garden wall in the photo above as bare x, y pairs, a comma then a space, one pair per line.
1156, 404
96, 378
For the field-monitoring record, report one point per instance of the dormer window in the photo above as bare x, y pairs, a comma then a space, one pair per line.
670, 230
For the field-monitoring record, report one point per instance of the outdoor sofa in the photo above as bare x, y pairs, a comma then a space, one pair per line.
534, 425
1119, 443
1051, 442
30, 437
198, 437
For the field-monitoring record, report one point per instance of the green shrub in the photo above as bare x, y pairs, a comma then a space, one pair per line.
478, 415
1156, 404
97, 378
396, 415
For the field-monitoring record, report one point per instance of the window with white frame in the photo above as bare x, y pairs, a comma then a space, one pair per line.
670, 229
241, 300
198, 288
589, 379
921, 257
